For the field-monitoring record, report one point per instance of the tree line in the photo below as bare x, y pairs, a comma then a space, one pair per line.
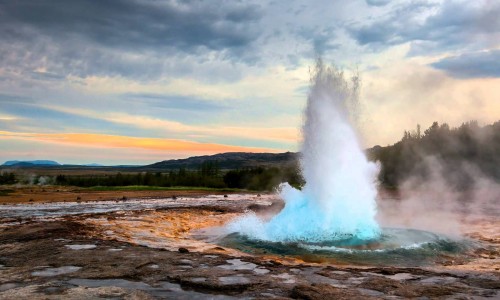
263, 178
207, 175
8, 178
460, 153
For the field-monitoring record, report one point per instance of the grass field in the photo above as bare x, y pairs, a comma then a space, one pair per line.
10, 194
159, 188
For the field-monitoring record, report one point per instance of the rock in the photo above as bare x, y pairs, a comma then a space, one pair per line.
234, 280
183, 250
56, 271
381, 284
224, 283
186, 262
323, 292
218, 249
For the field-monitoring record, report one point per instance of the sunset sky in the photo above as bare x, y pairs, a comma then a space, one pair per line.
135, 82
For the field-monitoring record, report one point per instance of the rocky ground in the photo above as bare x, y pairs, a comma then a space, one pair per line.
150, 253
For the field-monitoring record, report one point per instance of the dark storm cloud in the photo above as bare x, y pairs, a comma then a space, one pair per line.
117, 37
453, 25
134, 24
481, 65
174, 102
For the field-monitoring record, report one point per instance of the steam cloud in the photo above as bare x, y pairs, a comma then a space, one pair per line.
338, 199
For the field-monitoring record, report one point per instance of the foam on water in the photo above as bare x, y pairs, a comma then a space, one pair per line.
394, 246
338, 199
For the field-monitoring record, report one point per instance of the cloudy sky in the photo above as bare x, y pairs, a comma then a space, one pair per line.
138, 81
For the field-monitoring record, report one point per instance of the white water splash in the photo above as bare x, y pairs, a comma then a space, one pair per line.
338, 200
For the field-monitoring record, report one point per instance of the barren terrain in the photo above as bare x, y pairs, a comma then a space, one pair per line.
149, 248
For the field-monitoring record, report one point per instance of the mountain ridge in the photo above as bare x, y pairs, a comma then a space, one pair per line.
39, 162
229, 160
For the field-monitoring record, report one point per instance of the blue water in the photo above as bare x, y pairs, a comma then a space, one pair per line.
393, 247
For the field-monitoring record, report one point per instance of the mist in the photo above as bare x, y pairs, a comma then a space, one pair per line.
446, 179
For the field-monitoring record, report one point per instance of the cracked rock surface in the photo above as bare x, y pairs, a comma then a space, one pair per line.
135, 255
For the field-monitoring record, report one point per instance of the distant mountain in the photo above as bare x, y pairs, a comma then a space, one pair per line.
230, 160
93, 165
29, 163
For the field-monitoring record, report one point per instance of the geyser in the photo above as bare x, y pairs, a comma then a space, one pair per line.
338, 199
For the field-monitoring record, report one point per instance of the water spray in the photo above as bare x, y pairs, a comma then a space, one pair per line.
338, 199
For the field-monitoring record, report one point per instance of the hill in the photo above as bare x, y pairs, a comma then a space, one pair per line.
228, 161
29, 163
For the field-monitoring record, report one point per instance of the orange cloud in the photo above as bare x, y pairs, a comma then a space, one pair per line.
114, 141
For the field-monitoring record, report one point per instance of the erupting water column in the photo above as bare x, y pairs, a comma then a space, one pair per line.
338, 199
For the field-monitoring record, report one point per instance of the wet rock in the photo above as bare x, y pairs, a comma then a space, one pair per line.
81, 247
47, 291
234, 280
237, 264
438, 280
484, 283
287, 278
381, 284
402, 276
183, 250
429, 291
261, 271
324, 291
56, 271
186, 262
185, 267
8, 286
368, 292
393, 287
217, 284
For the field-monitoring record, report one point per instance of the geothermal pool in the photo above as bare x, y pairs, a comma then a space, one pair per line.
395, 246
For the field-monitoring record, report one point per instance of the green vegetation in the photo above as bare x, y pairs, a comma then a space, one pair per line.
7, 178
262, 178
6, 192
159, 188
257, 179
459, 154
207, 177
182, 177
